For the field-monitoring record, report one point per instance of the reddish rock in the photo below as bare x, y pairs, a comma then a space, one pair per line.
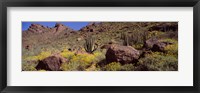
60, 27
28, 47
51, 63
106, 46
37, 28
156, 44
160, 46
122, 54
150, 42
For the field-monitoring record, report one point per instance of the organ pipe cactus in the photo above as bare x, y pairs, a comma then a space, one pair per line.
125, 37
90, 45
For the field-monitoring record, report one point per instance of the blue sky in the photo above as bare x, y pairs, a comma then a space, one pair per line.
73, 25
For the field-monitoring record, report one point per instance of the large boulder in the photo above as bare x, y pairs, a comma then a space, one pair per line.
160, 46
51, 63
150, 42
122, 54
156, 44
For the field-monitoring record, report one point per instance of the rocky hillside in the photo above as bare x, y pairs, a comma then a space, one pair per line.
117, 44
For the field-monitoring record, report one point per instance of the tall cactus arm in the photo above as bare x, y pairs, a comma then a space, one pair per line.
89, 45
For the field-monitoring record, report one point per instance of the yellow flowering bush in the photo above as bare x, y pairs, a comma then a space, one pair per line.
99, 56
67, 54
86, 58
79, 62
172, 49
71, 66
92, 67
41, 56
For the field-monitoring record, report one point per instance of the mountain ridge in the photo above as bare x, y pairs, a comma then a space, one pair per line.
64, 37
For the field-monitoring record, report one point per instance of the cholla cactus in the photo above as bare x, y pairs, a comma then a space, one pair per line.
90, 45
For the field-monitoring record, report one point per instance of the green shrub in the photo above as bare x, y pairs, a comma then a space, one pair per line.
171, 49
71, 66
169, 40
138, 46
29, 65
114, 66
155, 34
158, 62
128, 67
41, 56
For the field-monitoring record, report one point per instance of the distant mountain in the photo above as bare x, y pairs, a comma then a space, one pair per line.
39, 37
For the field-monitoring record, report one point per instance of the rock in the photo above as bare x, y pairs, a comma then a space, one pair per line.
66, 34
28, 47
112, 42
122, 54
73, 32
150, 42
106, 46
79, 39
165, 27
60, 27
37, 28
51, 63
101, 30
156, 44
91, 30
160, 46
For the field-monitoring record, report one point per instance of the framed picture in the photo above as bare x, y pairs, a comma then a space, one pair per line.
99, 46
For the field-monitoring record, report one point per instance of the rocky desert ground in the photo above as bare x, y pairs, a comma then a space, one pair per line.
101, 46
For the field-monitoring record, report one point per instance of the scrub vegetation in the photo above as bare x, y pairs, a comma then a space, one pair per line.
101, 46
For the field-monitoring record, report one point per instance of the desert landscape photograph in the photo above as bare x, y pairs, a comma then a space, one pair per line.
99, 46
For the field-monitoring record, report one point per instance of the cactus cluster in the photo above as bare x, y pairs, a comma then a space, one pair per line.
126, 38
90, 45
138, 37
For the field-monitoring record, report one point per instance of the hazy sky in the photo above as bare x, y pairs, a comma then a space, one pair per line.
73, 25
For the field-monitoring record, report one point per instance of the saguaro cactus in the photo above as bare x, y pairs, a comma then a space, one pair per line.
89, 45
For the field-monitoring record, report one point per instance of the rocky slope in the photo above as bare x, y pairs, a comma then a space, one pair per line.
144, 39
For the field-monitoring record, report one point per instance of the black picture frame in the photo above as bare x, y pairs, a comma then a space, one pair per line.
100, 3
